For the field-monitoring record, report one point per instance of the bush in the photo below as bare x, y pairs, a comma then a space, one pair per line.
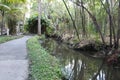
32, 25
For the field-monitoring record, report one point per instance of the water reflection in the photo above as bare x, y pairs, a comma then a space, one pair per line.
76, 66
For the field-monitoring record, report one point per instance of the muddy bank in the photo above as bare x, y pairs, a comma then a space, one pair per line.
92, 48
83, 45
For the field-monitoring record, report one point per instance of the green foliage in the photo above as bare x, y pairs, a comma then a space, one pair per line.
12, 25
43, 65
4, 7
13, 1
32, 25
50, 30
11, 12
8, 38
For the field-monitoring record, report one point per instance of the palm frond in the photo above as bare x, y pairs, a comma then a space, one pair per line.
3, 6
14, 1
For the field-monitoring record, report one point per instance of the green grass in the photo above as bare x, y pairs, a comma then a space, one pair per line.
8, 38
43, 66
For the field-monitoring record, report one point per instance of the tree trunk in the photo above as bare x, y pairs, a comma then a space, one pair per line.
83, 20
94, 22
2, 23
74, 25
39, 17
111, 26
118, 32
110, 22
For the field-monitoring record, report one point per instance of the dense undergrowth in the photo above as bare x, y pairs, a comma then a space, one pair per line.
8, 38
43, 66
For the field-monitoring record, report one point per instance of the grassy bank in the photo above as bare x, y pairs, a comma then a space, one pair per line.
8, 38
43, 66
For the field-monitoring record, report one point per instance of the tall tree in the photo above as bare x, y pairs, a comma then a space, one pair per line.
3, 9
39, 17
118, 32
82, 12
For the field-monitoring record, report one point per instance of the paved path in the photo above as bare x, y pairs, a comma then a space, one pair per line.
13, 60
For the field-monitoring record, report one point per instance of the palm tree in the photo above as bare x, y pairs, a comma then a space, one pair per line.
12, 17
9, 9
3, 8
12, 1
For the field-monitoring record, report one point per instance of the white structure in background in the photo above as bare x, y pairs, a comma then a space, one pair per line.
19, 28
4, 31
7, 31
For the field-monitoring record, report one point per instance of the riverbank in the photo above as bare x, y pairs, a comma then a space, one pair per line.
43, 66
8, 38
93, 48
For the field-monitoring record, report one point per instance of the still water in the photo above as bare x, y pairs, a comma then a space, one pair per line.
78, 66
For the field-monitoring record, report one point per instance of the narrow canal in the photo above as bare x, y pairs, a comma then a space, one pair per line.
78, 66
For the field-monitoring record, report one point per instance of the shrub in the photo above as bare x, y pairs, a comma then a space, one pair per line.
32, 25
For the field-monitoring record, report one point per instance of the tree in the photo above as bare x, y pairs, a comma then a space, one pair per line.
39, 17
74, 25
118, 32
3, 8
9, 9
82, 13
110, 7
93, 19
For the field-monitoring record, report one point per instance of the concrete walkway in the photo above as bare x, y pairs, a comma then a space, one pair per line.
13, 60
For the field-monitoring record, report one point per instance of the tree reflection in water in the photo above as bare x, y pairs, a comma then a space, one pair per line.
76, 66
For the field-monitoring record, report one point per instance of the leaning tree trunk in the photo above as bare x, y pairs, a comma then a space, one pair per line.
73, 21
94, 20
